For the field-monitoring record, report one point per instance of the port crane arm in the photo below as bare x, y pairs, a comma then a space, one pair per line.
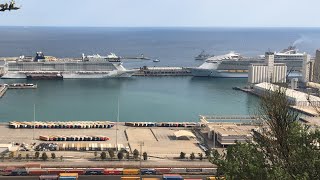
11, 6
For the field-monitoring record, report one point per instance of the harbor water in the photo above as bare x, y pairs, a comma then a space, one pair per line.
141, 98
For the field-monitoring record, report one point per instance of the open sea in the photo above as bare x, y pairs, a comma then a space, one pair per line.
141, 98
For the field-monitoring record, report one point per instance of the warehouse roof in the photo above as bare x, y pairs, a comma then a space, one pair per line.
184, 133
297, 95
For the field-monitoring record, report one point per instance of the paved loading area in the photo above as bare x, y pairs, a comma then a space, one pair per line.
158, 141
161, 142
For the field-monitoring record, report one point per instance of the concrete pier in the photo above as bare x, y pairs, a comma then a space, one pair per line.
3, 90
163, 71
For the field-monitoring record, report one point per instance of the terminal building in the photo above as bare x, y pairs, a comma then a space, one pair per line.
316, 74
295, 98
307, 69
268, 71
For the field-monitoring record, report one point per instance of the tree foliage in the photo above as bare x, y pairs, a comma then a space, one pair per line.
120, 155
200, 156
145, 156
27, 157
103, 155
53, 156
182, 155
192, 156
111, 153
36, 155
282, 148
135, 154
44, 156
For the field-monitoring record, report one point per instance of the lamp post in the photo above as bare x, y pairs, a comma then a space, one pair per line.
141, 143
34, 118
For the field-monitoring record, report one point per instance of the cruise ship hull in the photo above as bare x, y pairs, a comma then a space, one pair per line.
69, 75
229, 74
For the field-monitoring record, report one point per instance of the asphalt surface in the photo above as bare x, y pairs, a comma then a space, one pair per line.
102, 177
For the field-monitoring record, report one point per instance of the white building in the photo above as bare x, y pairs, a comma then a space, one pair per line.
267, 72
307, 69
316, 68
296, 98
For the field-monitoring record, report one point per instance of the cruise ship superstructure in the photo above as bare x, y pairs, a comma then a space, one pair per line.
87, 67
235, 65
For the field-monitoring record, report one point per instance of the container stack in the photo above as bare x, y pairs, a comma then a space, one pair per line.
61, 125
68, 176
74, 138
163, 124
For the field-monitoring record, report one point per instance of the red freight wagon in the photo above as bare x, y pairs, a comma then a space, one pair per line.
162, 170
110, 171
79, 171
32, 165
55, 171
37, 172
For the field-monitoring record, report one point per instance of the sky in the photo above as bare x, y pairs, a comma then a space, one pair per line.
164, 13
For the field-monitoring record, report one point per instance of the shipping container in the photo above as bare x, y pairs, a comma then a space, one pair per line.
7, 171
178, 170
172, 177
79, 171
111, 171
68, 176
19, 172
162, 171
131, 171
48, 177
209, 170
55, 171
150, 178
32, 165
194, 170
148, 171
130, 178
37, 172
94, 172
215, 178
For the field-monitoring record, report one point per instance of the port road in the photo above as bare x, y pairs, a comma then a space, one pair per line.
101, 177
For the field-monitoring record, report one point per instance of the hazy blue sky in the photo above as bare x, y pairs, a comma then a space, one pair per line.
123, 13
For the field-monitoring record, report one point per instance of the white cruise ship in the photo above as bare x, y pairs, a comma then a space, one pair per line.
234, 65
87, 67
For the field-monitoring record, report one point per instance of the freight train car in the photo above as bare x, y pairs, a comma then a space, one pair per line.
131, 171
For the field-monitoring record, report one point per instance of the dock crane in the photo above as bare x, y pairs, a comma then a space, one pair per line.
9, 7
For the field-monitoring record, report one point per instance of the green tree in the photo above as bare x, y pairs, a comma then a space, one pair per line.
103, 155
282, 148
11, 155
53, 156
200, 156
192, 156
111, 153
208, 152
135, 154
61, 158
145, 156
27, 157
19, 157
2, 157
128, 155
120, 155
95, 154
36, 155
182, 155
44, 156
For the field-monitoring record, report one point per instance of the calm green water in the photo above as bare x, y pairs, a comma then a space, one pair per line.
141, 99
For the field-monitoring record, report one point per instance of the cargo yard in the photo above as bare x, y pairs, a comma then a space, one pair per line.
156, 139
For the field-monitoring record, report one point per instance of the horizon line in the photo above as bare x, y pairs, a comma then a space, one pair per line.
231, 27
